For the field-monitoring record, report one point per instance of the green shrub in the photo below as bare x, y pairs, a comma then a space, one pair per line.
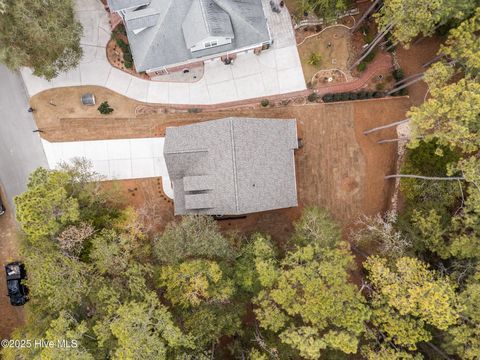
361, 95
353, 96
377, 94
398, 74
327, 98
362, 66
313, 97
105, 108
265, 102
314, 59
345, 96
337, 97
370, 57
368, 95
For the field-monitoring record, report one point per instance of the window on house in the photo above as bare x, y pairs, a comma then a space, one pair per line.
210, 43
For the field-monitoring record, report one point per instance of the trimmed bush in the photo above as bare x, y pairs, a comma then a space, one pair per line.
353, 96
337, 97
361, 95
105, 108
327, 98
398, 74
313, 97
362, 66
345, 96
265, 102
377, 94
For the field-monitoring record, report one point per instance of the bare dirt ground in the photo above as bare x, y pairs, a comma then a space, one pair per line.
11, 317
338, 168
411, 61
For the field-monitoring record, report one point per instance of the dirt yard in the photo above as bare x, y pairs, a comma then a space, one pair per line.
411, 61
11, 317
333, 48
338, 168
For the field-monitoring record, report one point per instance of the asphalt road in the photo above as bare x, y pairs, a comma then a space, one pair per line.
21, 151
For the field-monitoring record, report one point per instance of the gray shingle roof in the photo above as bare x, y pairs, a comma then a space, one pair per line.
164, 44
232, 166
116, 5
205, 18
140, 19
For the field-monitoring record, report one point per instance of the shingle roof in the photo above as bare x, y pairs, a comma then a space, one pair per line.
116, 5
140, 19
232, 166
164, 44
205, 18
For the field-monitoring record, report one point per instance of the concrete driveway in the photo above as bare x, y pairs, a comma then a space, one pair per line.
275, 71
115, 159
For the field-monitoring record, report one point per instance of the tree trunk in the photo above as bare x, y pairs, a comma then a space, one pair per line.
366, 132
393, 140
435, 59
409, 78
372, 46
438, 351
364, 16
396, 176
404, 85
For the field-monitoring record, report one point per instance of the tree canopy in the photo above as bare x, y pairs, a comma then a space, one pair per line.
43, 35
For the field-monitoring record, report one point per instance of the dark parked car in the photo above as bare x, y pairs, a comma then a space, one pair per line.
17, 292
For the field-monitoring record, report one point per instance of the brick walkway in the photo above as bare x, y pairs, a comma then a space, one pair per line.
382, 62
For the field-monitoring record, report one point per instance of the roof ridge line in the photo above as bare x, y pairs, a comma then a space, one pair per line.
234, 160
241, 18
207, 25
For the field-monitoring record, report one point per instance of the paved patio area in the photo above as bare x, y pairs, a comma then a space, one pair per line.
275, 71
120, 159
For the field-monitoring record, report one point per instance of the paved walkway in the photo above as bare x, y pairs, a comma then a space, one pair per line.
382, 62
275, 71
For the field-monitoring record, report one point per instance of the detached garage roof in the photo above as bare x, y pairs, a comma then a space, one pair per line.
232, 166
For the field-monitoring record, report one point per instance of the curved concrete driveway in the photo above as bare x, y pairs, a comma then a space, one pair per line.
275, 71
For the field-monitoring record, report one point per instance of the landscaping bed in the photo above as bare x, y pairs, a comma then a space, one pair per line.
119, 54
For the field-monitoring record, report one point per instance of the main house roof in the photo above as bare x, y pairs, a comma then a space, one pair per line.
232, 166
179, 24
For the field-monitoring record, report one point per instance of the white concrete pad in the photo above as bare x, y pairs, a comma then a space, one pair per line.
157, 92
120, 169
138, 89
118, 81
287, 58
119, 149
290, 80
143, 168
249, 87
245, 65
223, 92
178, 93
95, 73
216, 71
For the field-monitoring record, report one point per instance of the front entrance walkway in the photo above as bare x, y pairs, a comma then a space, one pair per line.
275, 71
119, 159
